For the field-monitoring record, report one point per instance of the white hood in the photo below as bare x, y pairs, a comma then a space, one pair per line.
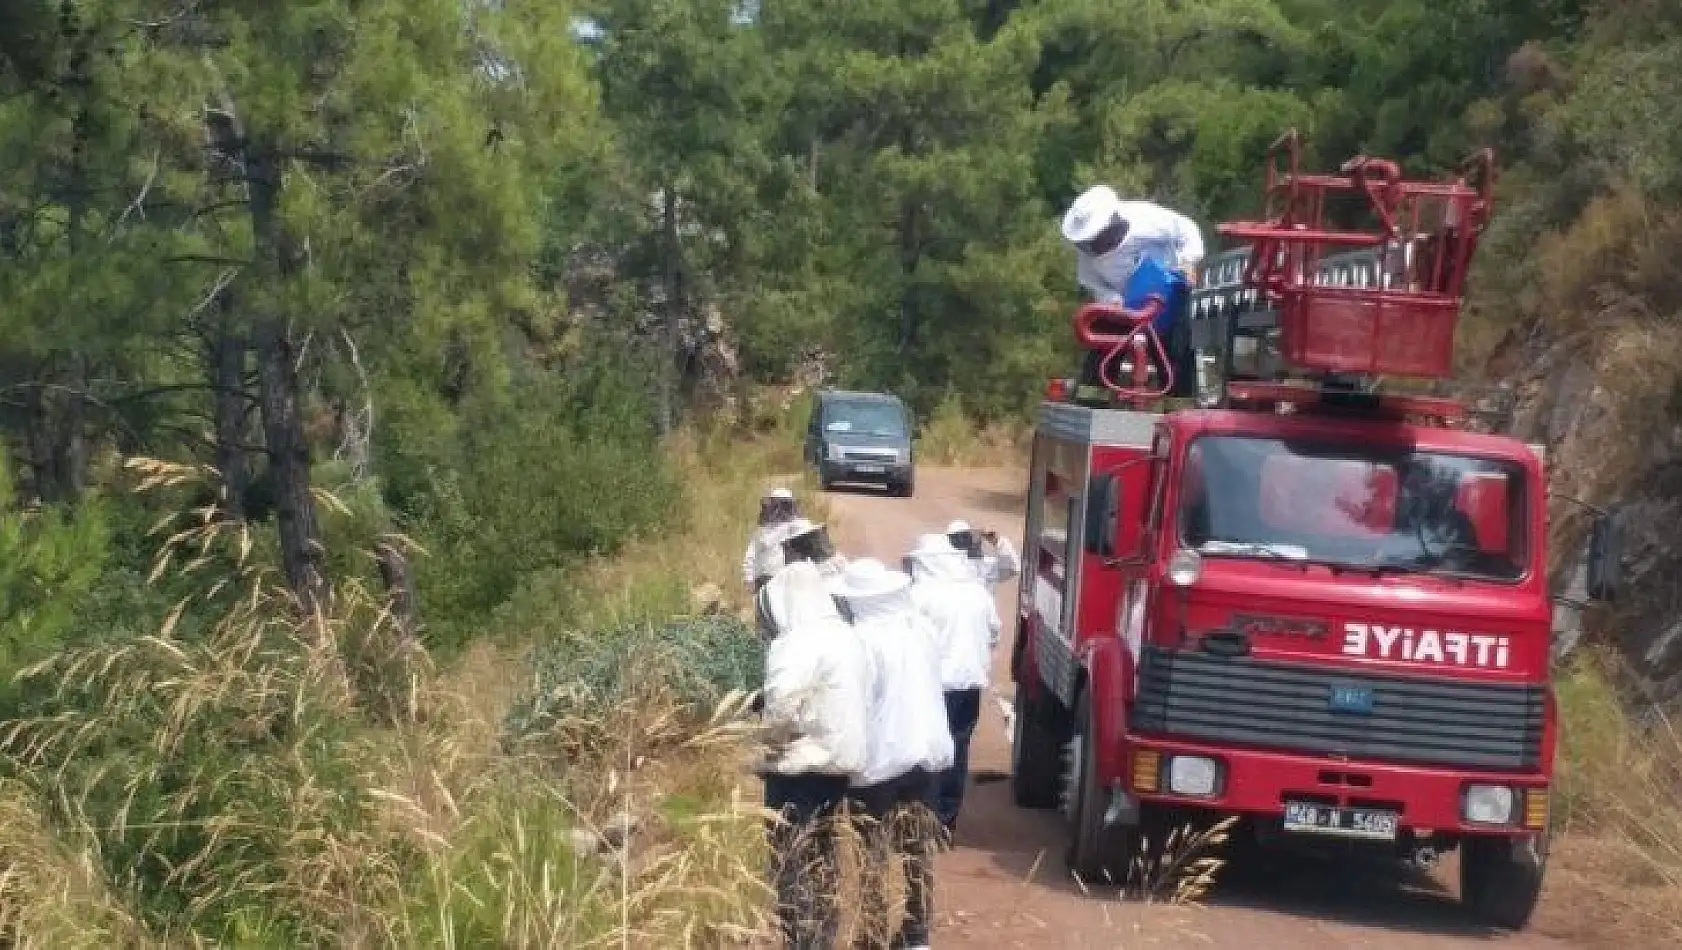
959, 608
816, 678
907, 710
765, 552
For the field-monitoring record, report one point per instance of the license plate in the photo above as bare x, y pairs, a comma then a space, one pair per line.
1309, 818
869, 469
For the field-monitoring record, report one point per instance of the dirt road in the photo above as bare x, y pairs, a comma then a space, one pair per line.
1004, 885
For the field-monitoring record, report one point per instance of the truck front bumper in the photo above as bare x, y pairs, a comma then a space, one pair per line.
1258, 784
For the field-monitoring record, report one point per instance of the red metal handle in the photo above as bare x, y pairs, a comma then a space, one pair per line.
1139, 324
1087, 317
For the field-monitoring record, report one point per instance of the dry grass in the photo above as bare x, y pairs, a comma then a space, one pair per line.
950, 437
1617, 868
283, 781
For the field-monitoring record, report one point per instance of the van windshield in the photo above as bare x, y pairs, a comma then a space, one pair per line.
881, 419
1360, 507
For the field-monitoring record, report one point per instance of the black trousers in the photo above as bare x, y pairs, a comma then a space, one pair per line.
899, 828
803, 856
963, 711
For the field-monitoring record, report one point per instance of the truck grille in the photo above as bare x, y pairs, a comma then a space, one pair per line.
1280, 706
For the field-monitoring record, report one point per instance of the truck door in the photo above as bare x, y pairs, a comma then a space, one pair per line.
1140, 521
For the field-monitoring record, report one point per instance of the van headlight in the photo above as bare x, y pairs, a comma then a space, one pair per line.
835, 453
1488, 805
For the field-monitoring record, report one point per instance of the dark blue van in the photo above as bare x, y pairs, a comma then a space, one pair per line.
861, 437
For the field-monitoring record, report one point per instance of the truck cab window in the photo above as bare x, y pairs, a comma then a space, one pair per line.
1354, 506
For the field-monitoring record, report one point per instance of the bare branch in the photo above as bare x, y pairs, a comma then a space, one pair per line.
222, 281
139, 202
357, 440
206, 259
187, 9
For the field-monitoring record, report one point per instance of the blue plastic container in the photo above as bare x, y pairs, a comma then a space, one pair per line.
1152, 278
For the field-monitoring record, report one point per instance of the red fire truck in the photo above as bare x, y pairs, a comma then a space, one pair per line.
1304, 600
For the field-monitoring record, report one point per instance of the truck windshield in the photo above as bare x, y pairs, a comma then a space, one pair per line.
882, 419
1357, 507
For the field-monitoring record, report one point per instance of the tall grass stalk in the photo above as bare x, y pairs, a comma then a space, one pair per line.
1618, 847
265, 779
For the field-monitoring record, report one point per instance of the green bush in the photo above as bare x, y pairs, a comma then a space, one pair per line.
501, 488
696, 662
51, 559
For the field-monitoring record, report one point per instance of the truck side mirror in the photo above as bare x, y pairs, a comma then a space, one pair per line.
1606, 554
1103, 514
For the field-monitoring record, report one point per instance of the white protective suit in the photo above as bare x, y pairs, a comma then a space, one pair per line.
959, 608
1154, 233
995, 568
816, 679
764, 556
907, 728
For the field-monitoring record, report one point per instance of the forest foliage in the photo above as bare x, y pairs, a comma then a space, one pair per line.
406, 294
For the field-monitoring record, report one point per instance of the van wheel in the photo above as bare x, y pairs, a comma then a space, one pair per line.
1096, 853
1501, 878
1037, 735
903, 489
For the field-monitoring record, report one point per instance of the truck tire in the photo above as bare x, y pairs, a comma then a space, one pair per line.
1501, 878
1036, 750
1097, 854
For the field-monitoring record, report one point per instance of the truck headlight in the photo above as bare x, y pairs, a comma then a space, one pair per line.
1193, 775
835, 453
1488, 805
1185, 567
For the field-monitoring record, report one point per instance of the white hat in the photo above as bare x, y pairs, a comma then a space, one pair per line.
957, 526
799, 527
1091, 213
933, 545
868, 577
780, 493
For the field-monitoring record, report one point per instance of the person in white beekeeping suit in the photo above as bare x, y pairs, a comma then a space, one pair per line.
765, 549
991, 557
817, 680
1112, 238
908, 745
966, 622
803, 542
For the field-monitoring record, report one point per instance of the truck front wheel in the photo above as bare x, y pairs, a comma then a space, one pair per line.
1501, 878
1097, 852
1038, 731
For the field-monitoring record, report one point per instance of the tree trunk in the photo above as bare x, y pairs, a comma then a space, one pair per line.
674, 313
279, 399
226, 365
910, 253
400, 589
58, 454
58, 442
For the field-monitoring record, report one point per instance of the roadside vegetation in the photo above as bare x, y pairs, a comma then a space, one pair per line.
263, 781
1617, 869
383, 395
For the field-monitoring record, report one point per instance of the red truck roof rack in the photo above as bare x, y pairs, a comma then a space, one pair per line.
1400, 320
1344, 280
1321, 399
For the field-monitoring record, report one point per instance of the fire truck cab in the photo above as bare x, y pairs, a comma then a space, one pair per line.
1306, 603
